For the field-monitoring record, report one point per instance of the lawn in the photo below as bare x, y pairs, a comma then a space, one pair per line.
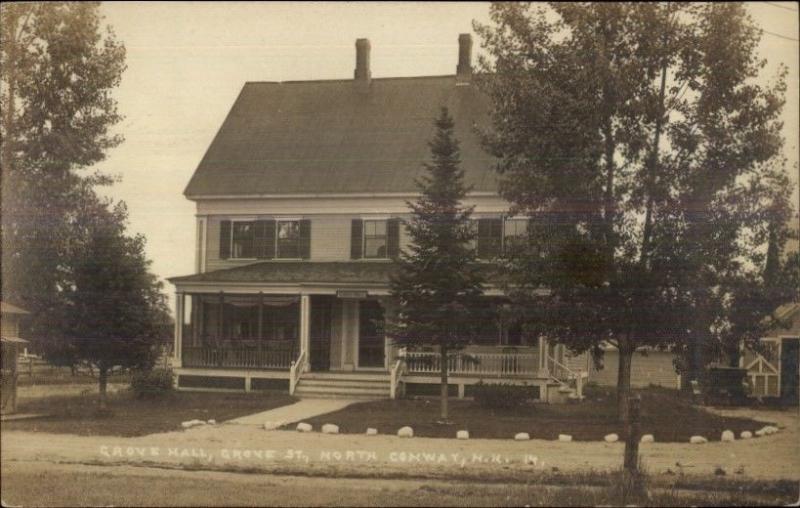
77, 414
665, 414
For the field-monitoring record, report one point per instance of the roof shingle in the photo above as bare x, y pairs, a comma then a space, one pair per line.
329, 137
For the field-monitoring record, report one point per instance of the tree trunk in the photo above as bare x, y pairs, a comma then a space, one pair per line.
443, 352
624, 378
103, 379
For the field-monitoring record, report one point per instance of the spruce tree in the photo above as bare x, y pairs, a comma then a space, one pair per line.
437, 283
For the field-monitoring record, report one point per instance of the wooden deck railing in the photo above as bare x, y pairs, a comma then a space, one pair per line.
474, 364
275, 355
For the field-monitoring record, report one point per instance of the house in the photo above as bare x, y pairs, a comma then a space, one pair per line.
299, 203
10, 316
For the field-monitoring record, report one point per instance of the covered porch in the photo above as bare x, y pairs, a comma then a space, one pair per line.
269, 329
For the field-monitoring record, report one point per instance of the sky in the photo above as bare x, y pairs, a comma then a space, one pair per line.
188, 61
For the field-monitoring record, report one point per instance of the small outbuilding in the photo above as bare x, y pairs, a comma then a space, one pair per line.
11, 345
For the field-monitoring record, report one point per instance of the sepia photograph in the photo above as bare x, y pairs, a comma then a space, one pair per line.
442, 254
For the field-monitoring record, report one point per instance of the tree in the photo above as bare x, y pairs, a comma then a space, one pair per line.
115, 305
437, 283
58, 72
638, 139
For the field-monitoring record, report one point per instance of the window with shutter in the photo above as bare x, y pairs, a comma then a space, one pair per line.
374, 239
288, 243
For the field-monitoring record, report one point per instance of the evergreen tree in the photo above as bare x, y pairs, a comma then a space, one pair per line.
437, 283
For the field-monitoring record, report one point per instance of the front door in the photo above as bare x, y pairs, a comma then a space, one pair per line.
790, 375
320, 333
371, 336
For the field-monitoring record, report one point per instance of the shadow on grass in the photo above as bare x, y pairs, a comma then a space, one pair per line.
130, 416
666, 414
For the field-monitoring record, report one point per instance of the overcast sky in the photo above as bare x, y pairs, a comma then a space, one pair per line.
188, 61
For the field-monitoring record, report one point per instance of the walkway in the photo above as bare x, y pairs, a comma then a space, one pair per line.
301, 410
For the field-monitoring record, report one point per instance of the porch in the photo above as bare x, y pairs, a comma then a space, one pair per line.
309, 343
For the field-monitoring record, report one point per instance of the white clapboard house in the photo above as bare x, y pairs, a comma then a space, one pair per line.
300, 200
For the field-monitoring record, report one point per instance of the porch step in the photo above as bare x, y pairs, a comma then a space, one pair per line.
344, 386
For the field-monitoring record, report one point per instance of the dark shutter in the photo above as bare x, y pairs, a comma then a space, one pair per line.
490, 237
356, 239
260, 239
393, 238
305, 239
225, 239
269, 239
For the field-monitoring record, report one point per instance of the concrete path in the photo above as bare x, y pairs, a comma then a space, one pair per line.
301, 410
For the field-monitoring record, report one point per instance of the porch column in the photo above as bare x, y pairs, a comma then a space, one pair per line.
177, 347
543, 355
305, 325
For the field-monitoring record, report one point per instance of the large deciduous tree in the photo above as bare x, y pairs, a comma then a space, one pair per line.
58, 71
437, 284
65, 253
642, 140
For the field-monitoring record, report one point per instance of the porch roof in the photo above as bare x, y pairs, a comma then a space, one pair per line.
301, 272
295, 272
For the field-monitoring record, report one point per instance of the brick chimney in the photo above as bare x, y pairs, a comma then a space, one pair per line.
362, 74
464, 69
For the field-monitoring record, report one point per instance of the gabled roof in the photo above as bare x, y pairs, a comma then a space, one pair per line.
7, 308
788, 314
333, 137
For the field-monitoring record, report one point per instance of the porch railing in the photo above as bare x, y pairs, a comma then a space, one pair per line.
566, 376
473, 364
295, 371
275, 355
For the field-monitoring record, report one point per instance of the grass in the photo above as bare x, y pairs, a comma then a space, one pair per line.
59, 485
133, 416
63, 376
665, 414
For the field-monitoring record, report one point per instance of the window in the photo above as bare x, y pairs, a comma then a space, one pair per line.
265, 238
515, 231
490, 237
288, 232
242, 239
374, 238
516, 228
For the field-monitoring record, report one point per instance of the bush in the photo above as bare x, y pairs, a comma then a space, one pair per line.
152, 383
501, 395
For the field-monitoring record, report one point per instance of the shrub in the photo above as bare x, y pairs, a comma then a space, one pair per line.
152, 383
501, 395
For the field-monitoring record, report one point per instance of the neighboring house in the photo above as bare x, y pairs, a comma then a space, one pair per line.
774, 371
10, 316
650, 367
